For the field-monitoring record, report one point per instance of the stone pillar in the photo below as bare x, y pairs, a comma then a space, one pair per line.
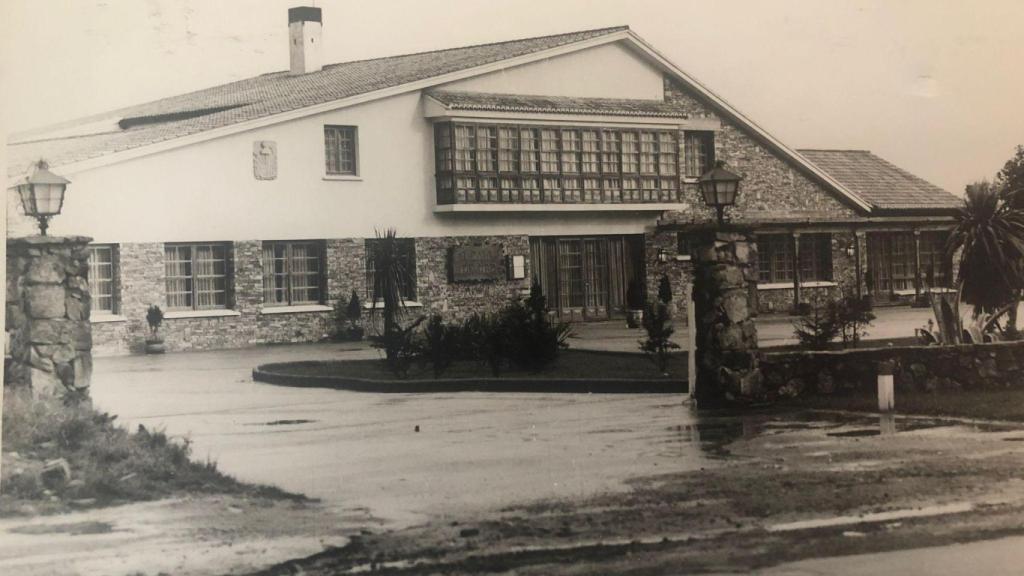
48, 335
726, 337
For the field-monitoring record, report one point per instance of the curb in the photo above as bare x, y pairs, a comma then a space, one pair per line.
275, 374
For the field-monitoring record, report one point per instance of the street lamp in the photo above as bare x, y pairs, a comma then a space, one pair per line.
719, 187
42, 194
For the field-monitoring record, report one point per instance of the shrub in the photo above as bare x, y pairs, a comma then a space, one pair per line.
533, 340
658, 324
439, 346
347, 314
853, 315
154, 317
664, 290
817, 326
400, 346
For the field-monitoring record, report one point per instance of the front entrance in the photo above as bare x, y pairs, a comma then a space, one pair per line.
586, 278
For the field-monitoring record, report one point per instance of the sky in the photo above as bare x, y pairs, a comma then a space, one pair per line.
933, 86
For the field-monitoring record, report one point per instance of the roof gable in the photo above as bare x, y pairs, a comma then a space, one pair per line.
261, 97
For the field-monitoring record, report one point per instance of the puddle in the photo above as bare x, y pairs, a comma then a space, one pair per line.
74, 529
283, 422
873, 517
855, 433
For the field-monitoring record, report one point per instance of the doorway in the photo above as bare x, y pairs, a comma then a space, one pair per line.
586, 277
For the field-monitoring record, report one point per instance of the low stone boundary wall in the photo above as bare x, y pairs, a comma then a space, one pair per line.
917, 368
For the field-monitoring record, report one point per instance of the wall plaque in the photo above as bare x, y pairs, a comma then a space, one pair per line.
264, 159
477, 263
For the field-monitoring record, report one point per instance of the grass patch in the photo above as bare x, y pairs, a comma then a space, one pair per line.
982, 404
109, 465
571, 364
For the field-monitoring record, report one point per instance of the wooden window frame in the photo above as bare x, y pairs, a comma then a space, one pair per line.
94, 281
539, 153
336, 155
194, 292
290, 275
708, 137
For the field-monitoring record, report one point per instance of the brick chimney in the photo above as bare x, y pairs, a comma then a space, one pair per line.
304, 39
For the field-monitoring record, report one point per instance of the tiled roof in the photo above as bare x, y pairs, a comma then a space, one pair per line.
884, 185
258, 97
556, 104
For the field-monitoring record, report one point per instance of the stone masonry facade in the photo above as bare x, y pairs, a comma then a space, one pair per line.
139, 275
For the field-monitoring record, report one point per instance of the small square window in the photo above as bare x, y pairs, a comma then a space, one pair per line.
341, 145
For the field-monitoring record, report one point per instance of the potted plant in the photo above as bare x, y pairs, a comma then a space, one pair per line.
634, 304
154, 342
353, 313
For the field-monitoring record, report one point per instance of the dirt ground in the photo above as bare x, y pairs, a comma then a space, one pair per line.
789, 487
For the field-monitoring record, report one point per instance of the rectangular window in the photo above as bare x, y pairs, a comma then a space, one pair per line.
775, 258
699, 149
552, 190
405, 257
486, 149
549, 151
340, 146
571, 189
196, 276
508, 150
464, 149
591, 156
630, 153
610, 150
934, 263
517, 163
528, 147
570, 152
648, 153
101, 278
668, 153
510, 190
293, 273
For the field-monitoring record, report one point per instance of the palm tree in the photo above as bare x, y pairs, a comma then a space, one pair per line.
388, 276
989, 234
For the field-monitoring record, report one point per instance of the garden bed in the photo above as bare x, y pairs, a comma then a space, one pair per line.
574, 371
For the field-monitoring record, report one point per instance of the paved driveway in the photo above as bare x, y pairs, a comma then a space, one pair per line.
361, 450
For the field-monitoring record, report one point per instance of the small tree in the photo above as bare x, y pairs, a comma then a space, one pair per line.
817, 326
853, 315
664, 290
658, 345
388, 275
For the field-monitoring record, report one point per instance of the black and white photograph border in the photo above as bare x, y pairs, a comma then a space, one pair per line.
536, 287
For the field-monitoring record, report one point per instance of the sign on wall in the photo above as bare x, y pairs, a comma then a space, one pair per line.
477, 263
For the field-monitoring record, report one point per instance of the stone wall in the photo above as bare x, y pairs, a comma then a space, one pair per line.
917, 368
48, 335
139, 274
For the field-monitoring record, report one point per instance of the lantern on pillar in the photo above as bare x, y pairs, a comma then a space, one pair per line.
719, 188
42, 194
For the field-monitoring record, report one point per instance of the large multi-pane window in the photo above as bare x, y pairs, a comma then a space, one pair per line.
196, 276
934, 262
405, 252
101, 278
341, 150
699, 151
293, 273
515, 163
775, 258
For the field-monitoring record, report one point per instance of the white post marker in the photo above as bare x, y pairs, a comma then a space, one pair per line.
886, 390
